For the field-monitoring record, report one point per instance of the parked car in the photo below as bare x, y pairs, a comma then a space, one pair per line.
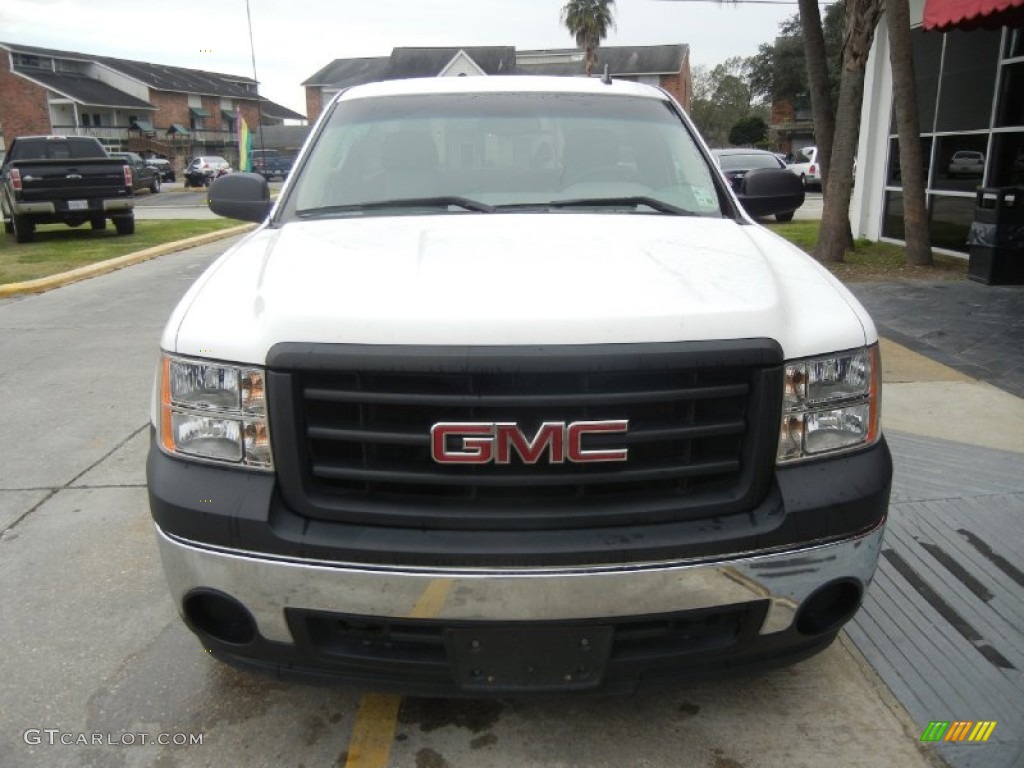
805, 165
144, 175
269, 163
204, 169
163, 165
613, 432
64, 179
967, 163
737, 163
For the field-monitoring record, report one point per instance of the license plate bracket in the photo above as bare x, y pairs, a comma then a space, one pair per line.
529, 659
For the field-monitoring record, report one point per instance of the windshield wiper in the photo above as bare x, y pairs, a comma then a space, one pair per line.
634, 200
411, 202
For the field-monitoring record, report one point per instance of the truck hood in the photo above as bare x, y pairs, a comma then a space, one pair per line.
503, 279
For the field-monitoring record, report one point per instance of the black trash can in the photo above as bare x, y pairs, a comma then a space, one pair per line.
996, 238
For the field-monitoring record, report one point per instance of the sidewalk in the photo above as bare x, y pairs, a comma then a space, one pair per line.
942, 621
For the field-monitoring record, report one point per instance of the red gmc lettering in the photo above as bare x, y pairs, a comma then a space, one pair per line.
483, 443
475, 450
574, 439
550, 436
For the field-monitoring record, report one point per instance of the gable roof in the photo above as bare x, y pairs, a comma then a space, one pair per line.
278, 112
159, 77
84, 90
430, 62
622, 60
629, 60
163, 77
348, 72
412, 62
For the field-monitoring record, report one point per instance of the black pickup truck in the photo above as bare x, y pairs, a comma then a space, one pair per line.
144, 175
69, 179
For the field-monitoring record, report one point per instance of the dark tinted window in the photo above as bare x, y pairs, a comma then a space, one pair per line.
1011, 101
951, 219
57, 149
968, 80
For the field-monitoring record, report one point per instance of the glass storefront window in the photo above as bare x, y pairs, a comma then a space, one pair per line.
1011, 96
951, 219
892, 223
927, 48
962, 148
1007, 160
1014, 43
960, 161
894, 175
968, 80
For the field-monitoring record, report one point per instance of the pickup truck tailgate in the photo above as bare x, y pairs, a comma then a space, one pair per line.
71, 179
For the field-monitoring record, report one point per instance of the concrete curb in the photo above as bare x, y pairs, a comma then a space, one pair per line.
44, 284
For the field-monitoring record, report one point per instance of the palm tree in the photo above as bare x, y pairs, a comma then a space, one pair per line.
908, 125
588, 21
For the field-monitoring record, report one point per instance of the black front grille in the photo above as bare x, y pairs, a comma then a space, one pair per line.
351, 428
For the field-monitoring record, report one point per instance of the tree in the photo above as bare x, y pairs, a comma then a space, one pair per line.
588, 21
908, 126
834, 236
749, 131
722, 96
816, 58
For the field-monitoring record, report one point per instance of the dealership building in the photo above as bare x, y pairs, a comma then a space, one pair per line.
969, 71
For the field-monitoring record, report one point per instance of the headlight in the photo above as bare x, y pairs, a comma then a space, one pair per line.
214, 411
830, 403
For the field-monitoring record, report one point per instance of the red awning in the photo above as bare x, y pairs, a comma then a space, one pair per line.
944, 15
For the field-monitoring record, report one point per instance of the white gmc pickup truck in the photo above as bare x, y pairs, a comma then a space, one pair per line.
508, 393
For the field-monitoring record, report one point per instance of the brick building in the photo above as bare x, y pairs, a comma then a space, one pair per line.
128, 105
667, 66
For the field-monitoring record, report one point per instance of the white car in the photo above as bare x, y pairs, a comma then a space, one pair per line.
204, 169
805, 165
507, 394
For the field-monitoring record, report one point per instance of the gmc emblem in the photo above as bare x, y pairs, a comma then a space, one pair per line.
484, 443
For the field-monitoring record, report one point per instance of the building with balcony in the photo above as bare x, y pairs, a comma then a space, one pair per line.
129, 105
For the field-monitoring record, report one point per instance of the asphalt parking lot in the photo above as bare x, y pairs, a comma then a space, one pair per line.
94, 648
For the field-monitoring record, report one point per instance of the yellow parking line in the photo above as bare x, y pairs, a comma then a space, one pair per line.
373, 732
377, 718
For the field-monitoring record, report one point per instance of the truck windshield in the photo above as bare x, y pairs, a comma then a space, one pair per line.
503, 151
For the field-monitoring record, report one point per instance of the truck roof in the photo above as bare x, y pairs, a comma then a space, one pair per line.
500, 84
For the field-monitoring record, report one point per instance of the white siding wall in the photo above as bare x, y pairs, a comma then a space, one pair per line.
875, 119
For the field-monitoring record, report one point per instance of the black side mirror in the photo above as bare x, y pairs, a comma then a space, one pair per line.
244, 196
767, 191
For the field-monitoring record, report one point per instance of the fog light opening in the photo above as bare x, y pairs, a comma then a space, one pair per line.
829, 607
219, 617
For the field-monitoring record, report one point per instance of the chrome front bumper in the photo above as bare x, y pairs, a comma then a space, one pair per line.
267, 586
